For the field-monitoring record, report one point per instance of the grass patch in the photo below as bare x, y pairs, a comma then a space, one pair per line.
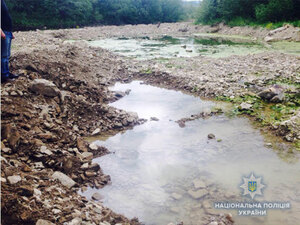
265, 113
239, 21
220, 41
170, 40
146, 71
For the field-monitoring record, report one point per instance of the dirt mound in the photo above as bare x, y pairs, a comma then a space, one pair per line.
45, 115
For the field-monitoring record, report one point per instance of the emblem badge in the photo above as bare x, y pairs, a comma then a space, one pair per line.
252, 186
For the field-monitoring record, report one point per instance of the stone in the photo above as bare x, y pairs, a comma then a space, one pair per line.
75, 128
25, 190
96, 132
13, 93
14, 140
118, 125
229, 217
84, 166
75, 221
44, 87
2, 145
245, 106
44, 222
105, 223
211, 136
14, 179
56, 211
38, 165
271, 92
176, 196
213, 223
96, 196
81, 145
46, 151
6, 150
93, 147
86, 156
37, 192
198, 194
269, 145
95, 167
64, 179
154, 119
47, 136
278, 98
269, 39
12, 135
119, 94
3, 159
90, 173
127, 91
199, 184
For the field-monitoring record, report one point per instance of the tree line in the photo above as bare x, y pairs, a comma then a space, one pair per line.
258, 11
31, 14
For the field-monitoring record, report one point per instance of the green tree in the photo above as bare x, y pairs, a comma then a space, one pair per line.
208, 11
274, 10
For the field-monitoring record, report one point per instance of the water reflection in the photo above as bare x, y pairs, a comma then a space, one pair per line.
157, 165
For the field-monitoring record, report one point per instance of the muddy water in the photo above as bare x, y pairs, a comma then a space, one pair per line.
154, 165
211, 46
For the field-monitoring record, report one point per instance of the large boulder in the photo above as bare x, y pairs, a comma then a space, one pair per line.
44, 87
273, 94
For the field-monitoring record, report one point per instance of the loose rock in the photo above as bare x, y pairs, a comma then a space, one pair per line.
64, 179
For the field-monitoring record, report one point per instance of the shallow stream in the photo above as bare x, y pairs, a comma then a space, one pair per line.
156, 167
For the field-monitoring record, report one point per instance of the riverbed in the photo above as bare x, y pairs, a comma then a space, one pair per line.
156, 167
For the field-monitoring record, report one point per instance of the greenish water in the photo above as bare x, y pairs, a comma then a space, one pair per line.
154, 166
209, 45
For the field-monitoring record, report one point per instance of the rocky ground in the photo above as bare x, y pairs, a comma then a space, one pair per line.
264, 86
176, 29
45, 160
62, 96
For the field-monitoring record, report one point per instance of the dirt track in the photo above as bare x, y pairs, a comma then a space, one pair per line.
43, 128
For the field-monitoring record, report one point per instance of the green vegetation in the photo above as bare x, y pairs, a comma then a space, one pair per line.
268, 13
220, 41
169, 40
266, 114
32, 14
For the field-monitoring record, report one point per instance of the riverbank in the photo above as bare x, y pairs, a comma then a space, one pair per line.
62, 96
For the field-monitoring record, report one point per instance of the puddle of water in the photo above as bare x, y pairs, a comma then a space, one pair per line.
153, 166
170, 47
